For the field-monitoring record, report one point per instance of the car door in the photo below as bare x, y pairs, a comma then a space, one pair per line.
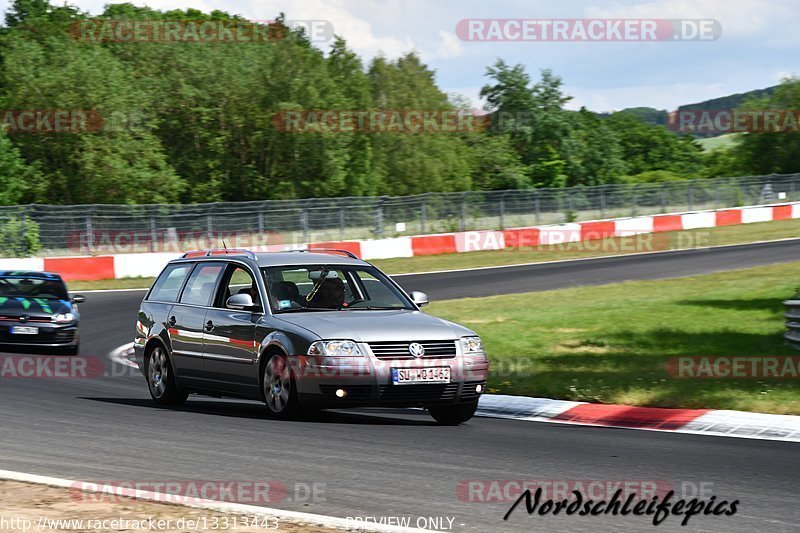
187, 320
230, 347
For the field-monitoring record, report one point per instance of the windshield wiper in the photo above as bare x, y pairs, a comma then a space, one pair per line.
297, 309
373, 308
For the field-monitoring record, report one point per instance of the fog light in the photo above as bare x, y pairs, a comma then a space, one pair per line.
479, 388
341, 393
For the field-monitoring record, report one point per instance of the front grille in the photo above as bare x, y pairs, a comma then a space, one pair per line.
415, 394
399, 349
13, 318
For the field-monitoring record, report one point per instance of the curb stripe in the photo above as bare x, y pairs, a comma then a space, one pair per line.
630, 417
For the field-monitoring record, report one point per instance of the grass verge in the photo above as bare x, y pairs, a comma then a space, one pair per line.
663, 241
611, 344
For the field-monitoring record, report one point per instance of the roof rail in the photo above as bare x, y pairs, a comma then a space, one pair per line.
219, 251
347, 253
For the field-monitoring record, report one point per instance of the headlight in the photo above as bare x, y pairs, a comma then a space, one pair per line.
471, 345
63, 318
335, 348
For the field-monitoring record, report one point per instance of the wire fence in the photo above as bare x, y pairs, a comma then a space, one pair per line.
98, 229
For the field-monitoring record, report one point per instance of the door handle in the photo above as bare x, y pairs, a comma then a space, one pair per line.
172, 321
209, 325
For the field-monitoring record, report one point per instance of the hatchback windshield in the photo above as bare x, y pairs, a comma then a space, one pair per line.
331, 287
22, 287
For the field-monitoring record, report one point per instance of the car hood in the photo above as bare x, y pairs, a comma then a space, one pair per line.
376, 326
33, 306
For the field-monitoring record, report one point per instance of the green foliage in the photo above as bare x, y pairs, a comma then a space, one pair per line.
19, 237
197, 122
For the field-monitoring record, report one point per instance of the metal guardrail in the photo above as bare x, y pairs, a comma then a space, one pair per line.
93, 229
792, 316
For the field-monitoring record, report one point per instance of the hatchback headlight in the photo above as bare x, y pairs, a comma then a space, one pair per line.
63, 318
335, 348
471, 345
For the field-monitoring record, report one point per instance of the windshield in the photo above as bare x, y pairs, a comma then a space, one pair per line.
22, 287
310, 288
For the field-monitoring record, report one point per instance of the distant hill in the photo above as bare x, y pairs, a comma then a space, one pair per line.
731, 101
658, 117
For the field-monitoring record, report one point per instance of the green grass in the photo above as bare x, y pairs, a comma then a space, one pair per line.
710, 144
610, 344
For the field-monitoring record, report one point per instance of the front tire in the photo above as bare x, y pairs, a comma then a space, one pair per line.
161, 379
453, 415
280, 393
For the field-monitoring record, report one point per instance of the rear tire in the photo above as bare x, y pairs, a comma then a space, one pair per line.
280, 393
161, 379
453, 415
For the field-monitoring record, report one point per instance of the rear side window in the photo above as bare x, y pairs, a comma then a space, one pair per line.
202, 282
168, 284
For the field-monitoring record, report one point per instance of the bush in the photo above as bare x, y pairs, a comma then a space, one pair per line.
19, 243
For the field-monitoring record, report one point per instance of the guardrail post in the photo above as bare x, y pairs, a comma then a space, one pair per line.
602, 203
422, 214
502, 210
341, 223
463, 222
663, 197
537, 207
260, 222
90, 234
23, 231
304, 223
634, 201
210, 226
379, 216
690, 197
153, 235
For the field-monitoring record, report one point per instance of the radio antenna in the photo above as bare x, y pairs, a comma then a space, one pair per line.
221, 238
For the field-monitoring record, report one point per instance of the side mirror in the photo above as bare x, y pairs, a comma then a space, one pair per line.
419, 298
78, 299
240, 301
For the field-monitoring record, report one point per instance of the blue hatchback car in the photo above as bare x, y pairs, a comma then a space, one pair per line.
37, 311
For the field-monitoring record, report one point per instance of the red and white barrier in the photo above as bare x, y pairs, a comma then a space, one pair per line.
698, 421
150, 264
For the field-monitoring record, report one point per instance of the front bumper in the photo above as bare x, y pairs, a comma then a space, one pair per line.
367, 380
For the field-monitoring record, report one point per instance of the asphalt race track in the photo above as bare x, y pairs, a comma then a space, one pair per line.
393, 462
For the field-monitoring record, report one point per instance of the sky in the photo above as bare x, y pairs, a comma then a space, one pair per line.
757, 47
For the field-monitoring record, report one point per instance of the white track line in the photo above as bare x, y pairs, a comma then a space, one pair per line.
251, 510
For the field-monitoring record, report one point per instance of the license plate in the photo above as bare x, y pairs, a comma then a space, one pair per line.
438, 374
24, 330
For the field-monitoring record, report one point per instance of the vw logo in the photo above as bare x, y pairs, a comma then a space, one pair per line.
416, 349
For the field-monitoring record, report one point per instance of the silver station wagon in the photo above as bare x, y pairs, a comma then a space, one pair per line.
302, 331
